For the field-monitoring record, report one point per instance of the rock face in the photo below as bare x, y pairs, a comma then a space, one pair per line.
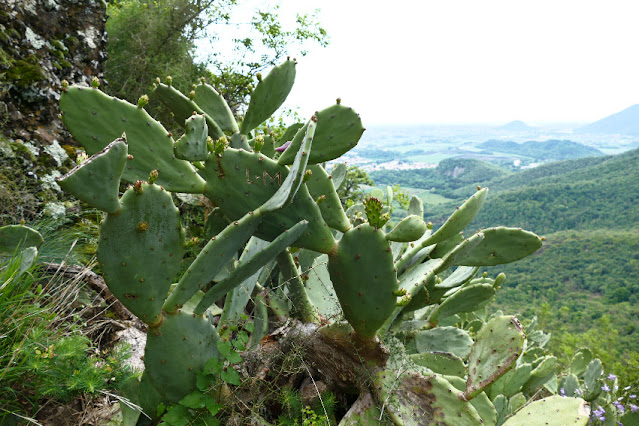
43, 42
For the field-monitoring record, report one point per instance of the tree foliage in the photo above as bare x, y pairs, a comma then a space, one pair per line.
150, 39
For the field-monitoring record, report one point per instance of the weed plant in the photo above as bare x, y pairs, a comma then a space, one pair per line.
44, 357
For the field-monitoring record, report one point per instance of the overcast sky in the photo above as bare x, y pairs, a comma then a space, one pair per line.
471, 61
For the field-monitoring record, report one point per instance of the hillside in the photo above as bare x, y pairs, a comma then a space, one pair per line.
624, 122
549, 150
449, 175
588, 270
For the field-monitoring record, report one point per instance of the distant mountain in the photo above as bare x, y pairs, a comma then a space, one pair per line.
516, 126
552, 149
625, 122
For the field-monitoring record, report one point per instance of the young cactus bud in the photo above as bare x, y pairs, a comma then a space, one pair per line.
405, 300
143, 101
259, 76
429, 225
192, 94
400, 292
169, 80
210, 144
307, 175
137, 187
81, 157
95, 82
153, 176
220, 146
65, 85
202, 79
373, 208
259, 143
321, 199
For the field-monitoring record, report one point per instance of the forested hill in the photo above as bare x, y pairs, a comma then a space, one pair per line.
598, 195
449, 175
587, 270
552, 149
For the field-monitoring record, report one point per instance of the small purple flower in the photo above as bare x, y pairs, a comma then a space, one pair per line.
633, 408
619, 407
605, 388
562, 392
633, 396
599, 413
577, 391
619, 423
611, 376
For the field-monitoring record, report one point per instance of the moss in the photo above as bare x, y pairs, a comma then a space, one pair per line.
24, 73
57, 53
71, 42
4, 37
56, 65
58, 45
65, 64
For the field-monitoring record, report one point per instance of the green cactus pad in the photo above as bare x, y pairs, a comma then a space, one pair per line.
251, 266
217, 253
269, 95
460, 218
409, 229
510, 383
236, 300
458, 256
364, 278
338, 174
141, 249
97, 180
192, 146
416, 207
182, 108
570, 384
465, 299
591, 378
541, 374
416, 278
14, 237
412, 399
95, 119
552, 411
441, 363
320, 289
502, 245
214, 105
339, 129
461, 275
497, 346
481, 402
321, 186
256, 178
444, 339
176, 350
580, 361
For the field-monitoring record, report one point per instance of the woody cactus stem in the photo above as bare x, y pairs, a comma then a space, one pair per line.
295, 284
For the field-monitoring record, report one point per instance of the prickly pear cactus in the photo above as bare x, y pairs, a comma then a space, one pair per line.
275, 198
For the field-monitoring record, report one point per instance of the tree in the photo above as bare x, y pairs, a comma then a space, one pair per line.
149, 39
350, 193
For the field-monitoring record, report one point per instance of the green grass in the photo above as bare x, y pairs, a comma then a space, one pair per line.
44, 355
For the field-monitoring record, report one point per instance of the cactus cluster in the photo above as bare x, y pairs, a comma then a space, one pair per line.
271, 196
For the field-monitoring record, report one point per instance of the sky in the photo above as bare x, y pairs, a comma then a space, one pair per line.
469, 61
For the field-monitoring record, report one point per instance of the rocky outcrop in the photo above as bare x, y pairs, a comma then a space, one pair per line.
43, 42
